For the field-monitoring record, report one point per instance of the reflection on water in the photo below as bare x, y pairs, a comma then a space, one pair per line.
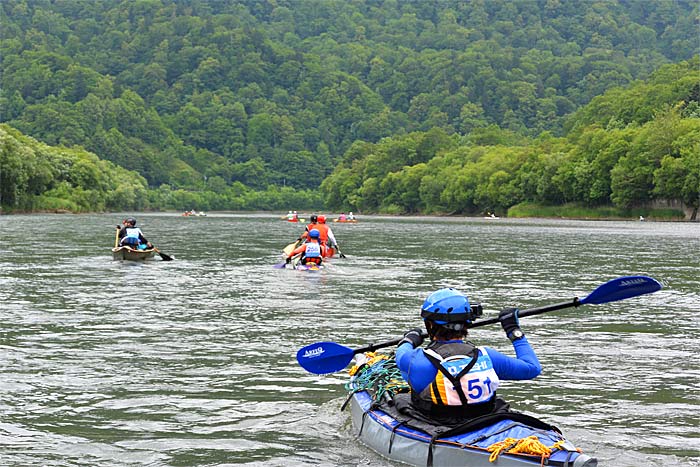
192, 362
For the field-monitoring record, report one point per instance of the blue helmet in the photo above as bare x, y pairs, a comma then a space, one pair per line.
314, 233
450, 308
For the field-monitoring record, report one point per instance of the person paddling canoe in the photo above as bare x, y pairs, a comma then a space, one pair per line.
451, 377
131, 236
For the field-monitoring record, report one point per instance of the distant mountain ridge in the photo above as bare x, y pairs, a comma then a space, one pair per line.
204, 96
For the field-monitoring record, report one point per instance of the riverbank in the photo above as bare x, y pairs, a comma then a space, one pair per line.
524, 210
576, 211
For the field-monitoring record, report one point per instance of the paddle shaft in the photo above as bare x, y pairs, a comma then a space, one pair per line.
531, 312
521, 314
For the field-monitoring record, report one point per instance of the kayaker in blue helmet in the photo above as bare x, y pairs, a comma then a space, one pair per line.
131, 236
451, 377
311, 252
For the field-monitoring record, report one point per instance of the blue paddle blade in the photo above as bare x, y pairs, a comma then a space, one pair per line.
622, 288
324, 357
280, 265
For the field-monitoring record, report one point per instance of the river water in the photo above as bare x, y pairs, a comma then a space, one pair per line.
192, 362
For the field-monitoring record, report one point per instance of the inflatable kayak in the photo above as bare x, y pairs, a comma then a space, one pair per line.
308, 267
384, 420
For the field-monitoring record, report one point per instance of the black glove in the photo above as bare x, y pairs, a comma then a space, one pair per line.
510, 324
288, 260
414, 336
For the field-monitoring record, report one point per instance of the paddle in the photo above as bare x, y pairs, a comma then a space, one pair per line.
329, 357
340, 253
163, 256
283, 264
291, 247
116, 237
288, 251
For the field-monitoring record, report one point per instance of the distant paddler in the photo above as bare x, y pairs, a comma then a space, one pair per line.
312, 252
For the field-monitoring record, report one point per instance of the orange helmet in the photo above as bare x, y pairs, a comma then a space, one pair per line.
321, 219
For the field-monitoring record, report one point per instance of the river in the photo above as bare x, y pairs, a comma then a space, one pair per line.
192, 362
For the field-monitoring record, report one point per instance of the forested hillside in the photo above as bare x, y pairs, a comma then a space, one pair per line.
627, 147
248, 104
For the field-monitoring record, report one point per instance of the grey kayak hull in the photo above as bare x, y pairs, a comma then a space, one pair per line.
374, 430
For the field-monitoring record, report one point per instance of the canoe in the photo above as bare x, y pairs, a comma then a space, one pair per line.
348, 221
379, 399
129, 254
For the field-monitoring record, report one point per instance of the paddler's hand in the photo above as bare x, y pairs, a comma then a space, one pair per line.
414, 337
510, 323
288, 260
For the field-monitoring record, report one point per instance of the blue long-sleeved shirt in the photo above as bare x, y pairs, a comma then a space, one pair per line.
420, 372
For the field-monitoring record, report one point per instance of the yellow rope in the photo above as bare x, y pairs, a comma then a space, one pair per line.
529, 445
371, 359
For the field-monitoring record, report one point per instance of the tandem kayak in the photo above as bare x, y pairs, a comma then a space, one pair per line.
130, 254
384, 420
311, 267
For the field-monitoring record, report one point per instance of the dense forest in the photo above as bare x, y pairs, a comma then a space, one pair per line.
627, 147
376, 106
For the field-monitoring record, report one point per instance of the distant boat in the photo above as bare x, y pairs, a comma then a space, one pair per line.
641, 219
490, 215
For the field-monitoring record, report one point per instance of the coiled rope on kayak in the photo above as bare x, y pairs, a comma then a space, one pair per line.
384, 381
528, 445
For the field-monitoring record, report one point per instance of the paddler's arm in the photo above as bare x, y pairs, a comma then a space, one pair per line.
524, 366
298, 251
412, 362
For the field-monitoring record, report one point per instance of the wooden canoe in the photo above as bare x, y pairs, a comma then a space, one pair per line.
129, 254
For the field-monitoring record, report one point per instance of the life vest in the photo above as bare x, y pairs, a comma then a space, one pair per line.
323, 233
312, 253
132, 236
465, 383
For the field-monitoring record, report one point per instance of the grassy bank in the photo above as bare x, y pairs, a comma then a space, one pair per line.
576, 211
